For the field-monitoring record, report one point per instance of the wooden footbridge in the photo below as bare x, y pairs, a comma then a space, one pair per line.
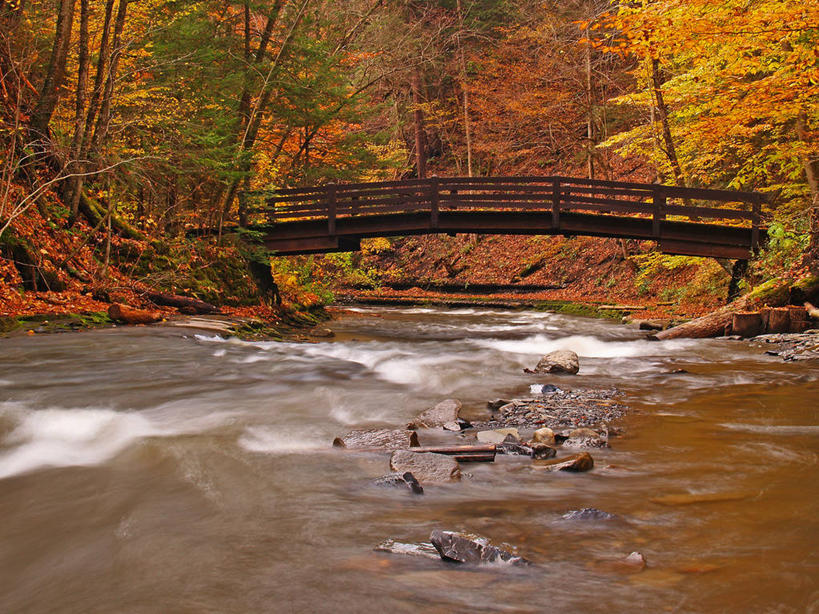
336, 217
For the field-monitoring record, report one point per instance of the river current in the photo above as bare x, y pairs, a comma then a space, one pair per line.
160, 470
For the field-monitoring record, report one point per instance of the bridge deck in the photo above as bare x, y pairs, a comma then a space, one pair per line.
336, 217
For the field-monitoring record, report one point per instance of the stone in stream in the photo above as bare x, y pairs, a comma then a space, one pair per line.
444, 414
559, 361
474, 549
498, 435
378, 438
588, 513
576, 462
424, 550
400, 480
513, 448
585, 438
541, 451
544, 435
426, 466
497, 404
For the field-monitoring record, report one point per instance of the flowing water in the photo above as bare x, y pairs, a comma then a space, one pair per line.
153, 470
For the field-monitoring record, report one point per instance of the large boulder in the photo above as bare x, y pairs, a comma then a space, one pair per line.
576, 462
426, 466
474, 549
378, 438
559, 361
443, 415
132, 315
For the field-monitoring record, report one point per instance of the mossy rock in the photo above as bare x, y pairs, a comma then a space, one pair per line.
8, 324
772, 292
570, 308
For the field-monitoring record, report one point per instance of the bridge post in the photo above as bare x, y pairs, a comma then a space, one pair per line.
331, 209
756, 210
434, 200
659, 211
555, 203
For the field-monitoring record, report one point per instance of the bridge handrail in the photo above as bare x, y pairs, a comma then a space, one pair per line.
553, 194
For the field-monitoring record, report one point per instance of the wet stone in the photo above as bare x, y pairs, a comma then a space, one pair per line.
472, 549
559, 361
498, 435
585, 438
588, 513
424, 550
400, 480
444, 414
425, 466
541, 451
576, 462
513, 448
378, 439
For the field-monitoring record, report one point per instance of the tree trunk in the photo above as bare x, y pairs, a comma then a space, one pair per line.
420, 142
50, 92
662, 113
811, 165
465, 91
590, 109
101, 128
84, 62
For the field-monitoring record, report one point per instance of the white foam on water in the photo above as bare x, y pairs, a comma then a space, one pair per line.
784, 429
272, 440
75, 437
219, 353
583, 345
57, 437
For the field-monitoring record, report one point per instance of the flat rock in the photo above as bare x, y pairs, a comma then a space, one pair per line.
559, 361
444, 414
576, 462
424, 550
496, 404
426, 466
497, 435
385, 439
471, 549
585, 438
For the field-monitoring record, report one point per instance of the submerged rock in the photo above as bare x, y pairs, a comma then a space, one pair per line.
588, 513
559, 361
426, 466
498, 435
444, 414
541, 451
400, 480
585, 438
424, 550
576, 462
378, 438
513, 448
471, 549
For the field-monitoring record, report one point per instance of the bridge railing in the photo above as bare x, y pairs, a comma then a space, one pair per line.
551, 195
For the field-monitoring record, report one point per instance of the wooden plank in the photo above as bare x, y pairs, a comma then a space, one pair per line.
712, 212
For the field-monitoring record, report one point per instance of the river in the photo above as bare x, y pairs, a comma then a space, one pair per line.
158, 470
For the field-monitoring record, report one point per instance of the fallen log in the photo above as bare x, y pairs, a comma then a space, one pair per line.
185, 304
713, 325
132, 315
463, 454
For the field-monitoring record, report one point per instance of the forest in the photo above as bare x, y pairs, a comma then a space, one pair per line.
140, 136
